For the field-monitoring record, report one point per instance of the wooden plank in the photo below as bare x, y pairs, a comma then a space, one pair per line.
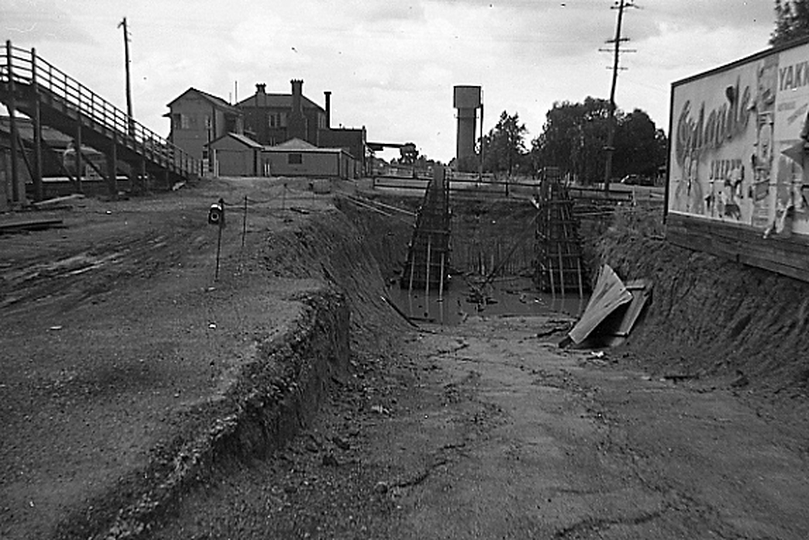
787, 256
29, 225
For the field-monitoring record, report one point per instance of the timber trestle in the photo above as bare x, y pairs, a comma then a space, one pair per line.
31, 85
428, 253
559, 266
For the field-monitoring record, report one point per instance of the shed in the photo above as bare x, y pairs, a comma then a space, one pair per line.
299, 158
235, 155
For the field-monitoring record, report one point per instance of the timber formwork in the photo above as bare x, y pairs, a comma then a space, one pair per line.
559, 267
31, 85
428, 253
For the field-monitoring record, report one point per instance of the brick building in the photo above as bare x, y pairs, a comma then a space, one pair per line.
270, 119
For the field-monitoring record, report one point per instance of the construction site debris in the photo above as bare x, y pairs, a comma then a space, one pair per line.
29, 225
612, 311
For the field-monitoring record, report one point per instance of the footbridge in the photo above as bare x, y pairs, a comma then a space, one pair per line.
32, 86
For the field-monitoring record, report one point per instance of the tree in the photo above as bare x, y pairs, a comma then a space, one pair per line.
640, 148
791, 21
574, 136
504, 145
408, 154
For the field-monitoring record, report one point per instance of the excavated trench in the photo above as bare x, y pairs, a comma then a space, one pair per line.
708, 318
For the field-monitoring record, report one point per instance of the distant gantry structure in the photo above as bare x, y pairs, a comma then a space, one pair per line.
467, 100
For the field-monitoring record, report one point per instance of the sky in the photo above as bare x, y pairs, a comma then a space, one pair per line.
390, 64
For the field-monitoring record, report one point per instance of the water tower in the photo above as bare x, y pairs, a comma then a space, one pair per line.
467, 100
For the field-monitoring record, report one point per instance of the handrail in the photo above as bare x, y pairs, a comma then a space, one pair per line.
26, 67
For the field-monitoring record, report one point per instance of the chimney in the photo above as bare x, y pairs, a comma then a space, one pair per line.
296, 126
261, 88
328, 108
297, 93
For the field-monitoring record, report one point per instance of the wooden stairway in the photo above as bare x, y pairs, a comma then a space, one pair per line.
31, 85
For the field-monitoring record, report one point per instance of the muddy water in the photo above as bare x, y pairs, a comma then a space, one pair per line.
504, 296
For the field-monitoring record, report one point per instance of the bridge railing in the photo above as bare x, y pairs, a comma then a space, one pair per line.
26, 67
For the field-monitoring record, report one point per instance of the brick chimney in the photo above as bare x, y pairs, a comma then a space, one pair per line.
327, 93
297, 94
297, 121
261, 88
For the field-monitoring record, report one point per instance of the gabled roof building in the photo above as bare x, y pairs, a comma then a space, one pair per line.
197, 118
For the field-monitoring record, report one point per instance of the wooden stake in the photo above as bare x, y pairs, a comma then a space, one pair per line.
441, 280
218, 249
427, 275
244, 220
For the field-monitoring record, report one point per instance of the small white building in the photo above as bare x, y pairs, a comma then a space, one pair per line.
296, 157
236, 155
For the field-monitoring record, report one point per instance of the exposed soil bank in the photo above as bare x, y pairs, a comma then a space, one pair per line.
281, 389
270, 399
130, 375
710, 316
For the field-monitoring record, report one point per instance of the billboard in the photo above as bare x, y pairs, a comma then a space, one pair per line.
739, 151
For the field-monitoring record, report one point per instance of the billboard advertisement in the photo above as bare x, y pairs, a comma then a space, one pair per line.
739, 151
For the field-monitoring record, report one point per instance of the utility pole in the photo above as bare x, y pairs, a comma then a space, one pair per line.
620, 5
128, 84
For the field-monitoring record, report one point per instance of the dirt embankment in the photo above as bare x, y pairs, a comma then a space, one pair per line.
130, 375
711, 317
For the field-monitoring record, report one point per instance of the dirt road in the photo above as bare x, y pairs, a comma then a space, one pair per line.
484, 431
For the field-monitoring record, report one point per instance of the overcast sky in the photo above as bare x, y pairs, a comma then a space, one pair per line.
390, 64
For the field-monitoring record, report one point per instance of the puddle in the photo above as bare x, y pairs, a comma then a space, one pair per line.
504, 296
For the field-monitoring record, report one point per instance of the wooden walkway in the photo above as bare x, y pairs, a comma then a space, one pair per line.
41, 91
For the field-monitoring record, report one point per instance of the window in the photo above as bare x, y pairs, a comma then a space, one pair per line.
180, 121
295, 159
274, 120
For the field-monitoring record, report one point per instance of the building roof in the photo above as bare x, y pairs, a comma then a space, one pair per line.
298, 145
214, 100
247, 141
277, 101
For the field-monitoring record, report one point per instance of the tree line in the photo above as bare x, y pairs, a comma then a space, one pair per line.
573, 139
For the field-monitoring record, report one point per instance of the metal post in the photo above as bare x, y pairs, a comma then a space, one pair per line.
218, 249
244, 220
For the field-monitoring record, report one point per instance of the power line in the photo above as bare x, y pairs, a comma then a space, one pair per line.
621, 5
126, 64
